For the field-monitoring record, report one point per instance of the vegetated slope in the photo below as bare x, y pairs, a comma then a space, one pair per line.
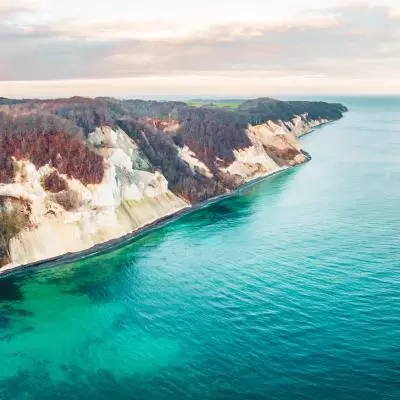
212, 133
96, 169
271, 109
163, 154
50, 131
46, 139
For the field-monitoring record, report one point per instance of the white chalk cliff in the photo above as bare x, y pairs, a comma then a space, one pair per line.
126, 200
131, 194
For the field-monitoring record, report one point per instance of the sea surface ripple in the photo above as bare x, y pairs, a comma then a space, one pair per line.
289, 290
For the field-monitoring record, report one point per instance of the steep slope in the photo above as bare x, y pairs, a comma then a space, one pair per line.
78, 172
74, 216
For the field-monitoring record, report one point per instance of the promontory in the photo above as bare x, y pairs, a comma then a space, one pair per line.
78, 172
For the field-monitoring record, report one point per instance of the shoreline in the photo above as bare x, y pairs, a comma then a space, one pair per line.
114, 244
121, 241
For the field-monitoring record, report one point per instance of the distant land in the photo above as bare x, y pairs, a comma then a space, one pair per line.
218, 103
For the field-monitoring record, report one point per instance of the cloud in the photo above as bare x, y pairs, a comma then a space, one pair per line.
358, 42
9, 10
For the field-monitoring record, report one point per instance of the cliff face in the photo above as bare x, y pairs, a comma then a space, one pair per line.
79, 172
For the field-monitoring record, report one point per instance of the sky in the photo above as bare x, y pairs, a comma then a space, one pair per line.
181, 48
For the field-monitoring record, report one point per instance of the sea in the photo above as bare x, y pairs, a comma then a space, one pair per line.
290, 289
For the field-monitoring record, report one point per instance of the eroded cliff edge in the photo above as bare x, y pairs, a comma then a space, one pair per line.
78, 172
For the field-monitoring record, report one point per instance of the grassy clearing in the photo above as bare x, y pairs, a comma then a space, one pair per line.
227, 104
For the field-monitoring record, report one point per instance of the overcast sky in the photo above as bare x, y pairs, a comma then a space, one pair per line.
211, 47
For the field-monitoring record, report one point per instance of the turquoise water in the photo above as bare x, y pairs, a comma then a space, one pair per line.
290, 290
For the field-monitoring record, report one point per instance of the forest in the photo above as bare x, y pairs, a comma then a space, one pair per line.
46, 139
54, 131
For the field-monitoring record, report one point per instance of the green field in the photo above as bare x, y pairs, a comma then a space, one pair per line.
228, 104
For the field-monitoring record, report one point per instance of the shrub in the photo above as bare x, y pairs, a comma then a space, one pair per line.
54, 183
68, 199
11, 223
6, 169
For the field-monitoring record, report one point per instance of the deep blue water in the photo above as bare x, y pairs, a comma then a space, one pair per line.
290, 290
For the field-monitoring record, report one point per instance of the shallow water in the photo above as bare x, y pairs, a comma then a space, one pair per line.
289, 290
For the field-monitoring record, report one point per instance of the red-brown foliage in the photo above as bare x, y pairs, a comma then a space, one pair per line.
68, 154
68, 199
6, 169
213, 133
54, 183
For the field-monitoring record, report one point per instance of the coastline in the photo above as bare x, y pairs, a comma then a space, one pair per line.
121, 241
